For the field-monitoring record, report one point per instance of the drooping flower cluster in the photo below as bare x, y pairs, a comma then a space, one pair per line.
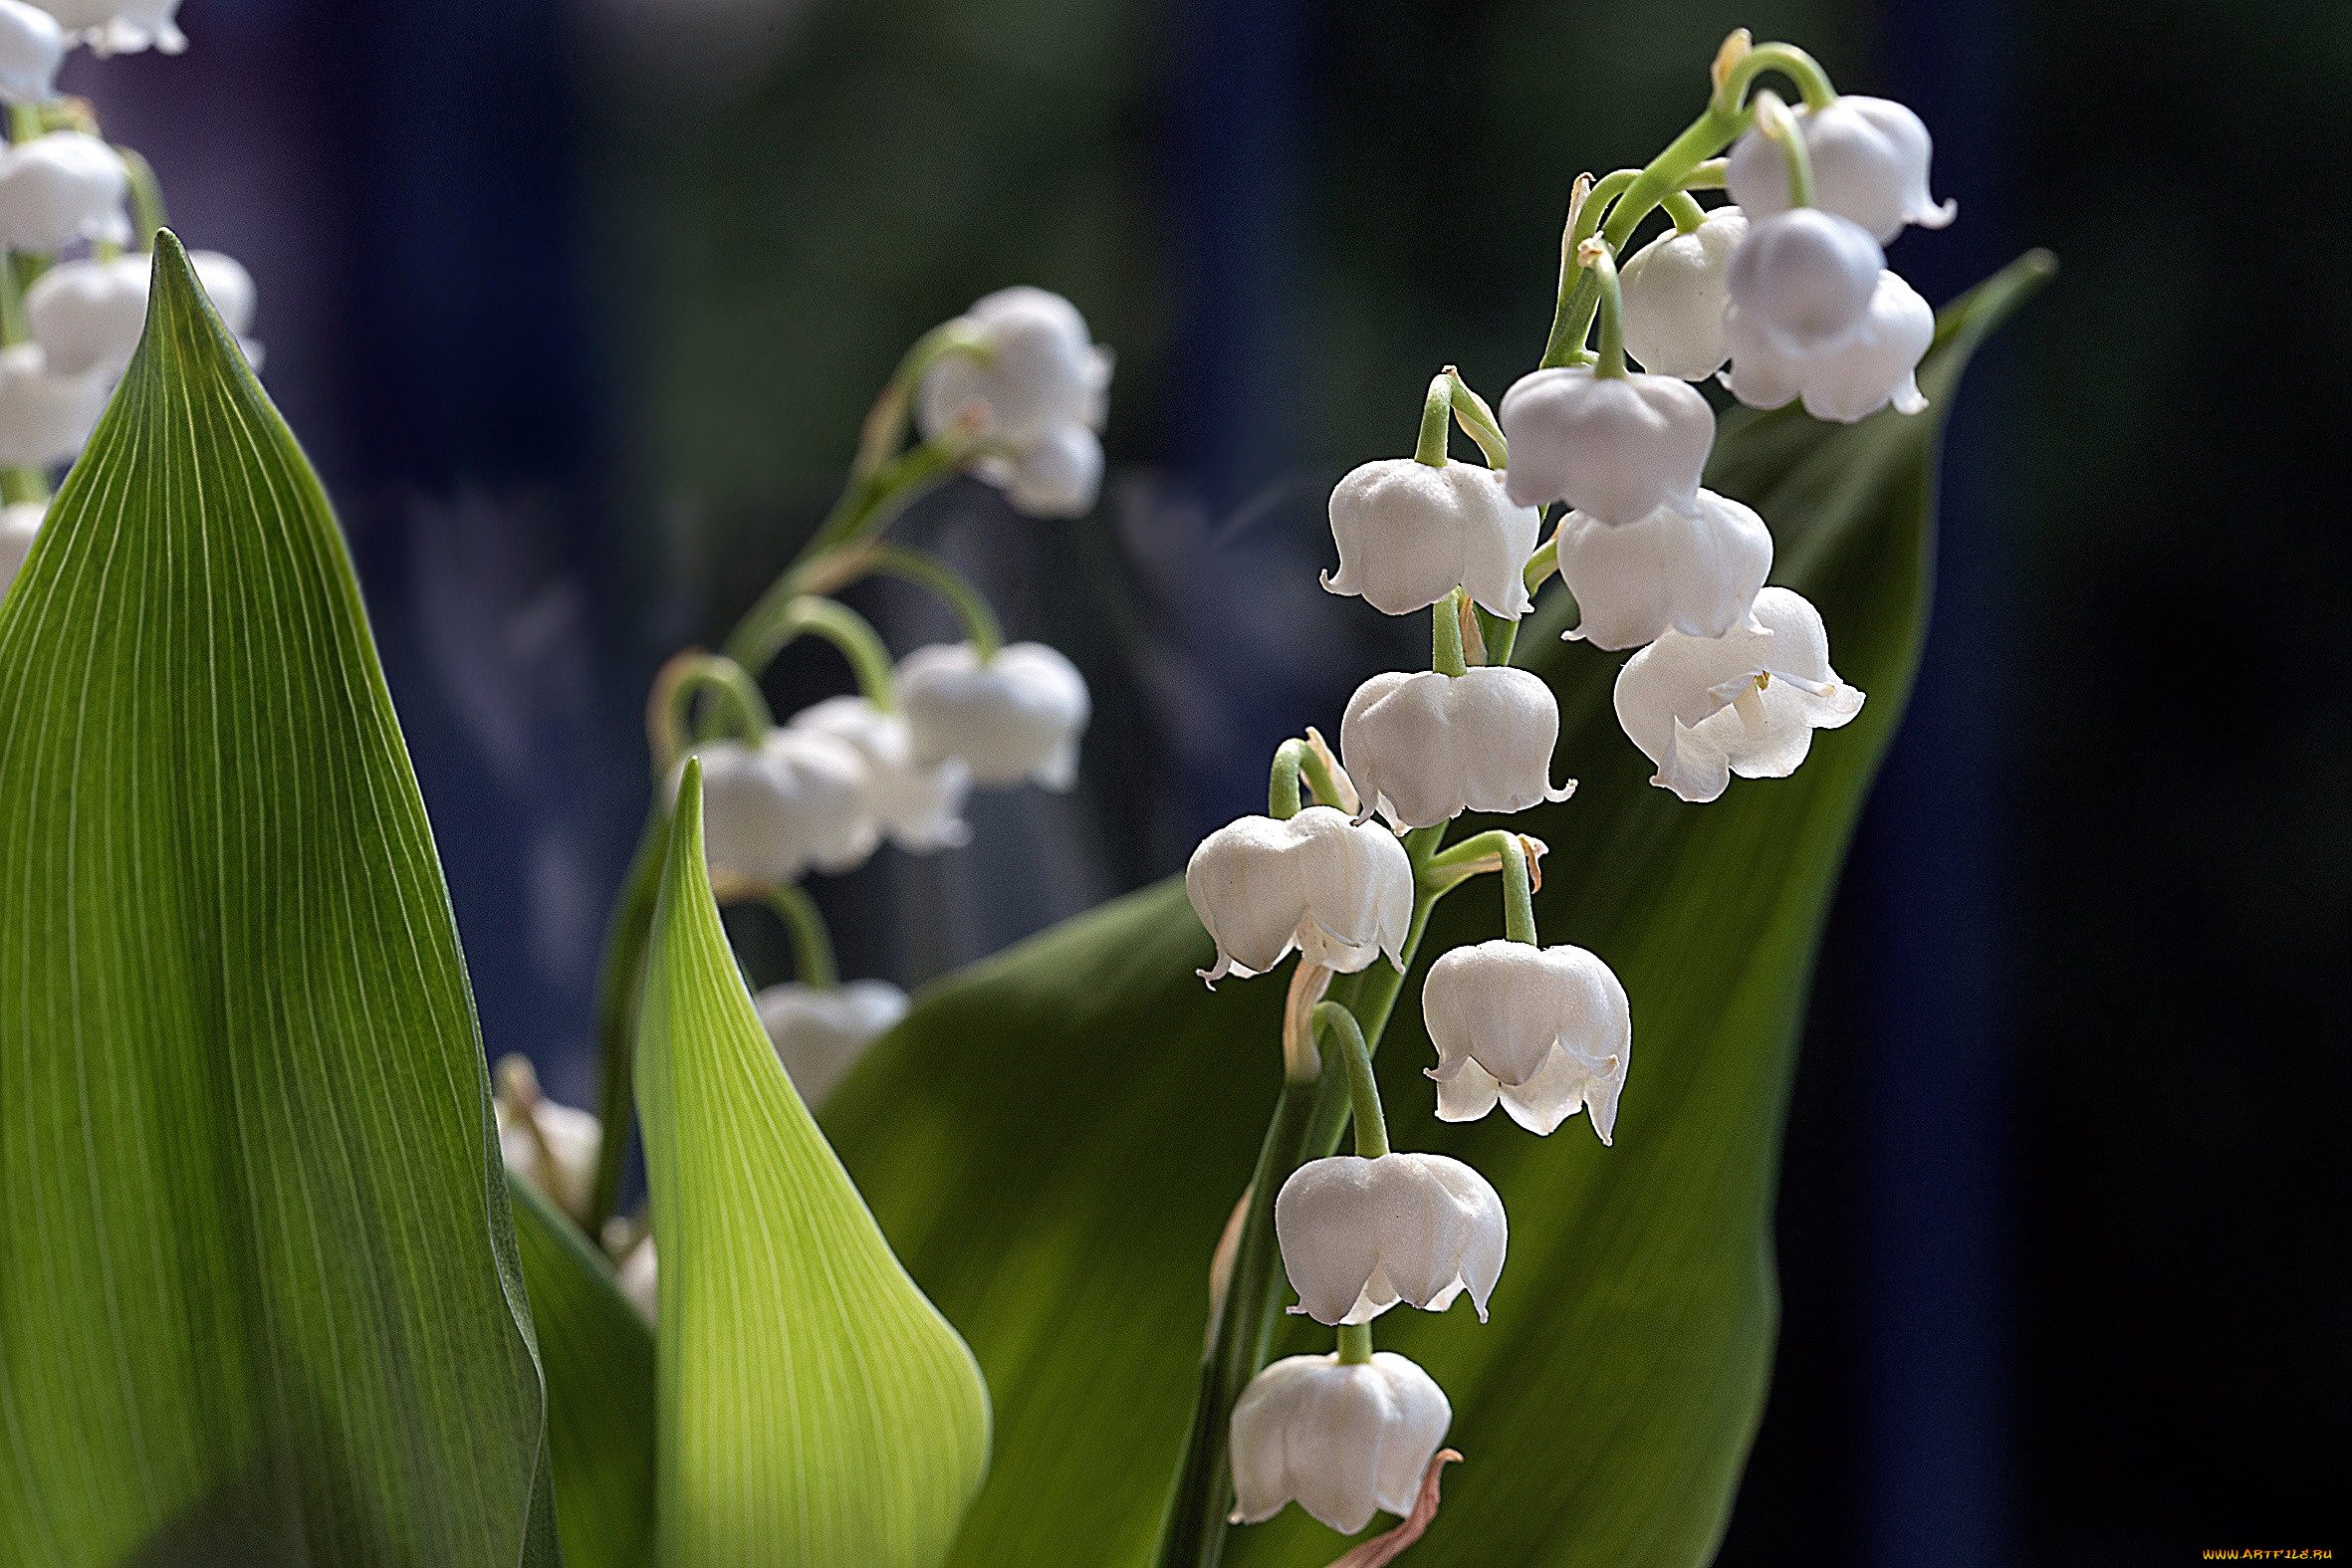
1785, 295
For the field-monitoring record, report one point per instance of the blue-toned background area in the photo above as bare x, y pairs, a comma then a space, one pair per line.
577, 304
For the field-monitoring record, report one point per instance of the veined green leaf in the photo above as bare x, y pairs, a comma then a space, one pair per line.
598, 1350
1056, 1137
815, 1411
259, 1301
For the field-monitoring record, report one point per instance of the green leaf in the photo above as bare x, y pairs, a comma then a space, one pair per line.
815, 1411
598, 1350
258, 1295
1054, 1139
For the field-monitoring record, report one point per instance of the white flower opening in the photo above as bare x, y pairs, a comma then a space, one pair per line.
1870, 165
1618, 447
1338, 891
1695, 573
1410, 534
919, 806
1017, 717
1803, 280
1748, 703
1343, 1441
821, 1033
58, 188
773, 812
1675, 291
1359, 1234
1544, 1032
1423, 748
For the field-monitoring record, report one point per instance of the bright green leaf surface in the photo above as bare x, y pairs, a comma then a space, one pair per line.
598, 1350
815, 1411
258, 1296
1054, 1139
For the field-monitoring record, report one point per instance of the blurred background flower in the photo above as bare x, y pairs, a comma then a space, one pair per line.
578, 303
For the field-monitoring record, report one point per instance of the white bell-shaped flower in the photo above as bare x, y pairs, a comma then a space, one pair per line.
1746, 703
1870, 165
1036, 368
1635, 582
820, 1032
1017, 717
32, 46
1410, 534
1339, 891
44, 417
1342, 1439
58, 188
1058, 475
18, 525
1546, 1032
640, 1277
552, 1147
1675, 291
1803, 280
120, 27
1359, 1234
1619, 447
87, 315
919, 806
1876, 367
1423, 748
794, 801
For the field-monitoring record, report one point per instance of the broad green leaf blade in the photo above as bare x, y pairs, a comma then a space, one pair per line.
258, 1295
598, 1350
1054, 1139
815, 1411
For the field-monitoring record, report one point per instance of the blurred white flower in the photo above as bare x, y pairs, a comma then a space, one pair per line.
920, 805
18, 525
1058, 475
1410, 534
1875, 367
794, 801
552, 1147
1675, 292
1634, 581
58, 188
32, 46
1359, 1234
1618, 447
89, 314
1338, 891
1548, 1031
1747, 703
820, 1032
1425, 747
1017, 717
639, 1278
1343, 1439
45, 418
120, 27
1803, 280
1036, 368
1870, 165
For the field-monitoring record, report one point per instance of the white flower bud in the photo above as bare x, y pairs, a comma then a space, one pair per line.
1675, 293
1746, 703
58, 188
1017, 716
1359, 1236
32, 46
120, 27
1036, 369
1409, 534
1870, 165
1619, 447
1803, 279
1423, 748
1695, 573
794, 801
552, 1147
639, 1278
1343, 1441
1058, 475
18, 525
819, 1033
1338, 891
1548, 1031
920, 805
44, 418
87, 315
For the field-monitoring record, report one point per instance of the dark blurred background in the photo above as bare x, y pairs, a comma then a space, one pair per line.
577, 304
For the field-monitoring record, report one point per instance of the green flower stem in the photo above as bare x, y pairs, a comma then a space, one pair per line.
957, 592
839, 625
24, 122
1474, 856
1789, 60
618, 987
1685, 213
1543, 563
1437, 416
18, 484
1499, 634
1355, 1344
886, 423
813, 943
1598, 259
1710, 175
1445, 636
1292, 759
671, 721
1572, 317
1519, 893
1478, 420
1772, 116
147, 197
1363, 1090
